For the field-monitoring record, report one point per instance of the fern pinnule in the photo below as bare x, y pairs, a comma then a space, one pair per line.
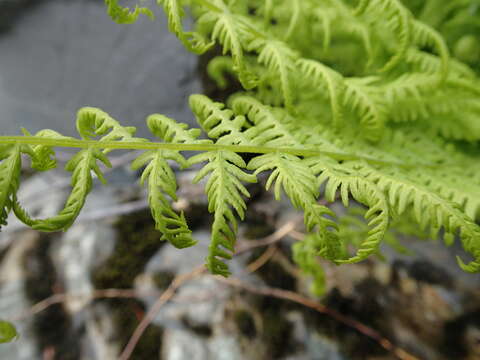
319, 74
279, 60
161, 179
92, 122
81, 165
224, 189
10, 166
193, 41
228, 29
219, 122
348, 182
225, 173
361, 95
124, 15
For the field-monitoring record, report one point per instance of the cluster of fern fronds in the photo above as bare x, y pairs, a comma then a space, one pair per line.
355, 100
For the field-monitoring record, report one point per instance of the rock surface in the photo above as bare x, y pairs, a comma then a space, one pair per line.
58, 56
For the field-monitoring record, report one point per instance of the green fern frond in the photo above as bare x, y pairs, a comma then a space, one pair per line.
218, 67
161, 179
320, 75
398, 21
305, 254
424, 35
362, 190
124, 15
92, 122
361, 96
193, 41
279, 60
81, 165
10, 166
218, 122
230, 31
428, 207
224, 190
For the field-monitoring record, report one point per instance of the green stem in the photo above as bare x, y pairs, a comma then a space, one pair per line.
131, 145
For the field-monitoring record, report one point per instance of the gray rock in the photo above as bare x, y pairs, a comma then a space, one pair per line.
13, 299
62, 55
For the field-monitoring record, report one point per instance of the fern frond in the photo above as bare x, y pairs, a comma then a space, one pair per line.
161, 180
297, 180
218, 67
305, 254
224, 190
424, 35
92, 122
229, 30
225, 173
362, 97
218, 122
398, 21
319, 74
81, 165
10, 166
124, 15
428, 207
362, 190
279, 60
193, 41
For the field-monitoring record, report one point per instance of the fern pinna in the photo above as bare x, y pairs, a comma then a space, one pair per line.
355, 100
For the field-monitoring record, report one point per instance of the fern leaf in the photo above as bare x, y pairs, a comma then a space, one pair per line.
364, 191
92, 122
81, 165
429, 207
279, 59
218, 122
161, 179
10, 166
224, 186
229, 30
320, 74
399, 22
297, 180
124, 15
193, 41
360, 95
305, 254
224, 189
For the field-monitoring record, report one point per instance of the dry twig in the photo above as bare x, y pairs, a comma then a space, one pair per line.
150, 316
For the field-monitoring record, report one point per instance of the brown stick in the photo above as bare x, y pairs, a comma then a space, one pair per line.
150, 316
